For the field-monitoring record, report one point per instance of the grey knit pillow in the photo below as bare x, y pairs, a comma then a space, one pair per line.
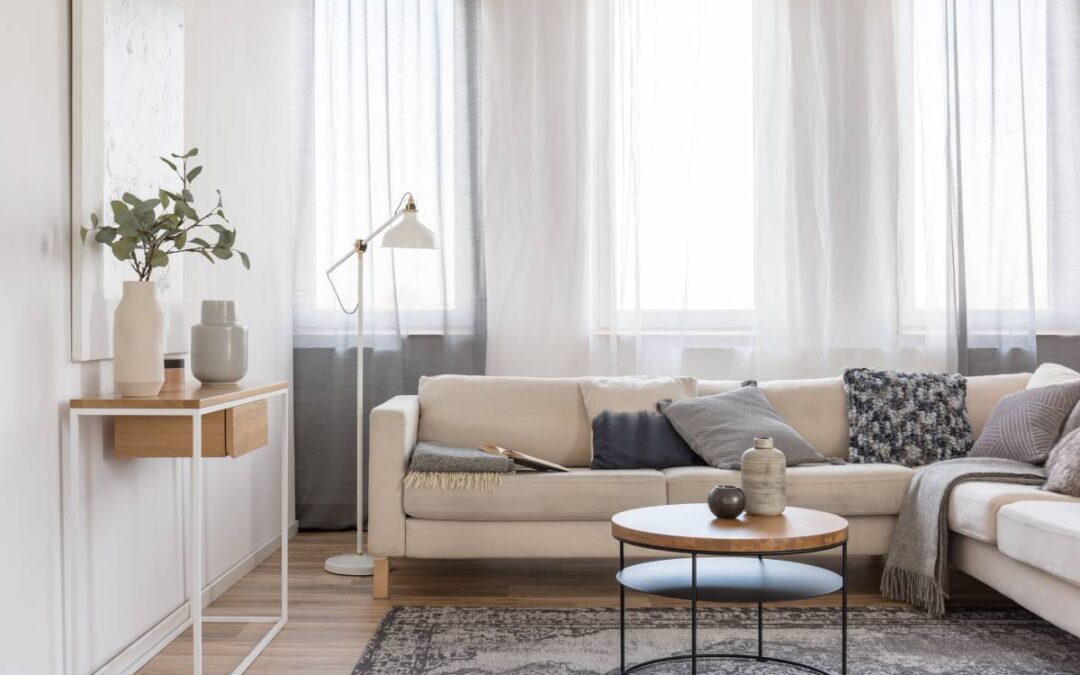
1026, 424
720, 428
1063, 466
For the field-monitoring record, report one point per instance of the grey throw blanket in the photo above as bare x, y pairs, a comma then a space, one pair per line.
916, 570
434, 465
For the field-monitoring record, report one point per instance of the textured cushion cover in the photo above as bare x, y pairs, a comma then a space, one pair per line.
720, 428
1063, 466
974, 506
632, 394
846, 490
909, 419
638, 440
1045, 535
581, 494
1049, 374
1025, 425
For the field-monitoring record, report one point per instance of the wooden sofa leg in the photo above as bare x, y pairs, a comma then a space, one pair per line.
380, 587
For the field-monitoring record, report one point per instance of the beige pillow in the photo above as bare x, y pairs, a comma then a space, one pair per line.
633, 394
1049, 374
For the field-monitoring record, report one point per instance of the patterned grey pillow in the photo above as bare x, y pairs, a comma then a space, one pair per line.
1026, 424
1063, 466
910, 419
721, 427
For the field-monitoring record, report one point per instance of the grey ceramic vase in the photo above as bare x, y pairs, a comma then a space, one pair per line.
764, 479
219, 345
726, 501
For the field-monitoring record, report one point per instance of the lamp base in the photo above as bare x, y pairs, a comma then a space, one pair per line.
351, 564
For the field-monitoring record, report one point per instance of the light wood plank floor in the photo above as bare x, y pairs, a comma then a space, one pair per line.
332, 617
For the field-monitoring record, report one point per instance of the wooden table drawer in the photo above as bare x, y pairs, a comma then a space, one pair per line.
231, 432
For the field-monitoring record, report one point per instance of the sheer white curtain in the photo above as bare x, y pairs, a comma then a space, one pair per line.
779, 188
391, 105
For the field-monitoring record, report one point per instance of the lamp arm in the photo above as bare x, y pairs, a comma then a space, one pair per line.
359, 247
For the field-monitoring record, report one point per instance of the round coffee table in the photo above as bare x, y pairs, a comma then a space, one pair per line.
734, 567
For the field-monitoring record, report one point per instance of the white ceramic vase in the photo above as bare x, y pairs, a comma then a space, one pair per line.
139, 341
219, 345
764, 479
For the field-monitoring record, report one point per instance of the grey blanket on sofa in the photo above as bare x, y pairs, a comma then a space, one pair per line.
434, 465
916, 570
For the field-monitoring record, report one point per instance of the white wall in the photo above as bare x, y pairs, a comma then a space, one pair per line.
237, 112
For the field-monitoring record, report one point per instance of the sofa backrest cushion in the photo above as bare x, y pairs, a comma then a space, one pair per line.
984, 392
544, 417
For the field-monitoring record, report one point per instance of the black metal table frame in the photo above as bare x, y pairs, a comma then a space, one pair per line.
760, 657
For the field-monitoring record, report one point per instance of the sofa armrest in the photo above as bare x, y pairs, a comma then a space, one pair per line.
391, 443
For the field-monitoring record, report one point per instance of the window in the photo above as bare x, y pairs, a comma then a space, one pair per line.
680, 250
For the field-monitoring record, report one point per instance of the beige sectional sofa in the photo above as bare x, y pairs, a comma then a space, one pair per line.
1018, 539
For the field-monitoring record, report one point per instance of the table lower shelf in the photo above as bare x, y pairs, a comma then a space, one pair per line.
729, 579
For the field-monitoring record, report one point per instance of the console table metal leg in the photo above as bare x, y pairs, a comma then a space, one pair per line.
843, 613
622, 613
760, 626
693, 614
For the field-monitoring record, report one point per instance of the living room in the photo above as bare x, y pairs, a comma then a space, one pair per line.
697, 336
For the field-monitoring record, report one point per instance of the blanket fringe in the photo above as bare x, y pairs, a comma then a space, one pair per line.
913, 588
446, 480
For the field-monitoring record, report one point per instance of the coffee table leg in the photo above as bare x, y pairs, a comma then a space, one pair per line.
693, 614
622, 613
843, 615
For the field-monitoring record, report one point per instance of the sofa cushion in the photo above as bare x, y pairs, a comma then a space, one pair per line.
1026, 424
632, 394
1045, 535
846, 490
816, 408
543, 417
974, 506
638, 440
984, 392
580, 494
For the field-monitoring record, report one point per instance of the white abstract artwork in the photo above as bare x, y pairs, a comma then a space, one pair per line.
128, 111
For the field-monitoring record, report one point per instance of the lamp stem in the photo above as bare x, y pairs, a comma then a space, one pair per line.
360, 401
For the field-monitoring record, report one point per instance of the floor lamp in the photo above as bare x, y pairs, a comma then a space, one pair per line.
408, 232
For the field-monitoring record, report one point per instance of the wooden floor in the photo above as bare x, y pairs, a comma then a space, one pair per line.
332, 617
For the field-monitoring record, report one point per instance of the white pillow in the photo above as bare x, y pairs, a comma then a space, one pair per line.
1054, 373
634, 393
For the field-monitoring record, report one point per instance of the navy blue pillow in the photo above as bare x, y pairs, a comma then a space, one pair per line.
638, 440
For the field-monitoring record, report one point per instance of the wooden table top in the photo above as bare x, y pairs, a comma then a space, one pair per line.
693, 528
194, 395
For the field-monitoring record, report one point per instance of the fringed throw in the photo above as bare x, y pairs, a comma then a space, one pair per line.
453, 468
916, 570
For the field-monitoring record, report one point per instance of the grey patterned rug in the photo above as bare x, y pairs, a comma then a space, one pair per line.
881, 641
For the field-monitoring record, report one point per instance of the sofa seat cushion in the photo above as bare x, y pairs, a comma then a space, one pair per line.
846, 490
974, 506
1044, 534
581, 494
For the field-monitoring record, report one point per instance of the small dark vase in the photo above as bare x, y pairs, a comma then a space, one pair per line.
726, 501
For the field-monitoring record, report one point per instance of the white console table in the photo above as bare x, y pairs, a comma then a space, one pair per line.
232, 420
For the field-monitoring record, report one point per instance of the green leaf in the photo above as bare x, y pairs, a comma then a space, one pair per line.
163, 197
245, 260
122, 248
205, 255
118, 207
219, 228
94, 220
199, 241
222, 252
191, 153
221, 214
131, 199
147, 205
105, 235
185, 209
82, 233
128, 229
170, 164
180, 240
186, 195
193, 173
159, 259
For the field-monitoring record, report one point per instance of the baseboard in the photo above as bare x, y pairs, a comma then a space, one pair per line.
139, 652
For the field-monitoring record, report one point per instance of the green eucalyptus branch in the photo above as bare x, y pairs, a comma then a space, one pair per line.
145, 232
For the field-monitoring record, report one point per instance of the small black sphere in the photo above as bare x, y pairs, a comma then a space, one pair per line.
726, 501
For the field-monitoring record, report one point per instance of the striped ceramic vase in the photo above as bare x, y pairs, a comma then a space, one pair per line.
764, 479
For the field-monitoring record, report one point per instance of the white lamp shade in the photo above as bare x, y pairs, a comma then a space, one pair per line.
409, 233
